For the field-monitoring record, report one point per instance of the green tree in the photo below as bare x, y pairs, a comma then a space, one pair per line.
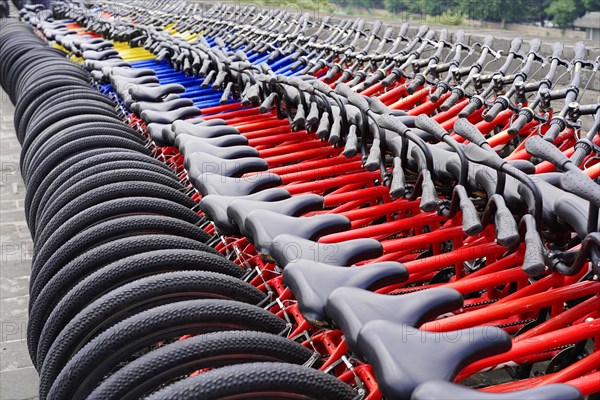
563, 12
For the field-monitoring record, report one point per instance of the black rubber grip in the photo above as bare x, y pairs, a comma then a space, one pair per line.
488, 41
533, 262
204, 69
437, 94
481, 156
351, 147
451, 101
388, 80
323, 128
226, 93
208, 79
321, 86
581, 185
377, 24
579, 50
221, 76
162, 55
515, 45
241, 55
518, 124
471, 224
557, 49
331, 73
523, 166
545, 150
392, 123
578, 156
344, 90
553, 131
359, 101
505, 225
398, 185
219, 42
313, 115
467, 130
429, 197
431, 126
374, 158
417, 82
493, 112
469, 109
534, 45
267, 103
422, 30
360, 25
336, 128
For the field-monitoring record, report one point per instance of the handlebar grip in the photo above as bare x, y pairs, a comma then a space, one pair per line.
431, 126
451, 101
422, 30
359, 101
493, 112
323, 128
313, 115
518, 124
460, 36
429, 197
553, 132
534, 45
469, 109
467, 130
533, 262
371, 80
471, 224
557, 49
351, 147
331, 73
377, 24
398, 185
417, 82
274, 55
242, 56
219, 80
344, 90
388, 80
321, 86
515, 45
299, 121
162, 55
316, 68
219, 42
481, 156
204, 69
208, 79
505, 226
374, 158
392, 123
579, 50
488, 41
439, 92
267, 103
582, 186
226, 93
523, 166
335, 132
540, 148
360, 25
578, 156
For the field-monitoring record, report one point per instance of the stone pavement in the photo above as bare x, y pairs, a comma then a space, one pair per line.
18, 377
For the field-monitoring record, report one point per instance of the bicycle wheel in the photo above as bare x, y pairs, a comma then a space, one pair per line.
212, 350
122, 341
130, 299
258, 381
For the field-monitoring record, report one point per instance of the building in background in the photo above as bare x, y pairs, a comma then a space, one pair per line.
590, 23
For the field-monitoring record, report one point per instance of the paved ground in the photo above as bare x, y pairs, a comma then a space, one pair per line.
18, 378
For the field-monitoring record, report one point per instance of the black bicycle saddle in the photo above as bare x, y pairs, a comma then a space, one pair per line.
396, 352
184, 141
154, 93
170, 103
156, 133
203, 131
236, 187
288, 248
295, 206
351, 309
229, 152
110, 62
204, 163
85, 46
100, 55
215, 207
264, 225
167, 117
312, 283
442, 390
128, 72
